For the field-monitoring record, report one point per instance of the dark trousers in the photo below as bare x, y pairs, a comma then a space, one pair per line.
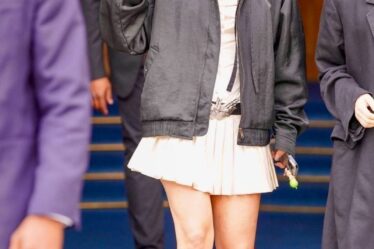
144, 193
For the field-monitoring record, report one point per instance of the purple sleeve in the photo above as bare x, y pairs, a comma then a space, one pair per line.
61, 79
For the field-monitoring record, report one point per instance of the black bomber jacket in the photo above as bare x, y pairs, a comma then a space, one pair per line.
182, 41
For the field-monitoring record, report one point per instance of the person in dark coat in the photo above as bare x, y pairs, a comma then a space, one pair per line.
44, 121
144, 193
345, 57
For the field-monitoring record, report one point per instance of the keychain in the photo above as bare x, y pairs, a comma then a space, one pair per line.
291, 172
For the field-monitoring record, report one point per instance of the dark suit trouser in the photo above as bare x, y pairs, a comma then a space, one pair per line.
144, 193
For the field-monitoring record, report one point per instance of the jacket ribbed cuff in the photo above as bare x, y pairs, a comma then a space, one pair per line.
286, 143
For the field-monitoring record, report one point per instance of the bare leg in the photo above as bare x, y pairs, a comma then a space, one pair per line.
235, 220
192, 215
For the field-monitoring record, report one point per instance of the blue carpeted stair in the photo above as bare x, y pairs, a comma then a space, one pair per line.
289, 219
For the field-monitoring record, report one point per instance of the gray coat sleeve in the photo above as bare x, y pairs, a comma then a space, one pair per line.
95, 42
290, 80
126, 24
339, 89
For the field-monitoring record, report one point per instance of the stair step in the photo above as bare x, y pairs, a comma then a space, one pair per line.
107, 147
318, 151
322, 123
308, 194
314, 165
109, 133
105, 176
105, 190
315, 137
103, 161
111, 120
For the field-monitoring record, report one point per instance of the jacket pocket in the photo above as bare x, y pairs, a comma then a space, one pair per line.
126, 28
151, 56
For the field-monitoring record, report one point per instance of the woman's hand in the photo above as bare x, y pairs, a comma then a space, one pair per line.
364, 108
280, 158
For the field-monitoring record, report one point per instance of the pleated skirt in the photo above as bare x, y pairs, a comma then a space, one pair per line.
213, 163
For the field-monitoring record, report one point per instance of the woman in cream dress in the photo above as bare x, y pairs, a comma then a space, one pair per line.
212, 171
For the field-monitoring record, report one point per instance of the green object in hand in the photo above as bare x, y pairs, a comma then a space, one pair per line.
294, 184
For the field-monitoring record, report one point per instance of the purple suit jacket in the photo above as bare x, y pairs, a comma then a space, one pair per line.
44, 110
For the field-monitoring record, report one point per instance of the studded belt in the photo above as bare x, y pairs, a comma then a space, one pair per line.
221, 110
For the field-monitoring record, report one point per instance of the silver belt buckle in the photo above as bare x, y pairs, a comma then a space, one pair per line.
221, 110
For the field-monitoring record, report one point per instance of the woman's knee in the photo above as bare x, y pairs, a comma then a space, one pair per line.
198, 238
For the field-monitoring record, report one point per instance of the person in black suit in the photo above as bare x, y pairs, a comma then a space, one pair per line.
144, 193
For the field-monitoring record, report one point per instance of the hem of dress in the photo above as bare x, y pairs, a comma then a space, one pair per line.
194, 186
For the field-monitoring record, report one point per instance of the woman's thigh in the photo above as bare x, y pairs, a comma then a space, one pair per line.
235, 220
192, 215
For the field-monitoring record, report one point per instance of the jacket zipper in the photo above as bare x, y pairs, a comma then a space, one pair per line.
240, 3
241, 133
241, 74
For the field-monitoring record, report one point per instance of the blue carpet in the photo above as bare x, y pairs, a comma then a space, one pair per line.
106, 161
109, 230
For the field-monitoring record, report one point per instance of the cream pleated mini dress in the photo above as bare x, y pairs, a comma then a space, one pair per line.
213, 163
